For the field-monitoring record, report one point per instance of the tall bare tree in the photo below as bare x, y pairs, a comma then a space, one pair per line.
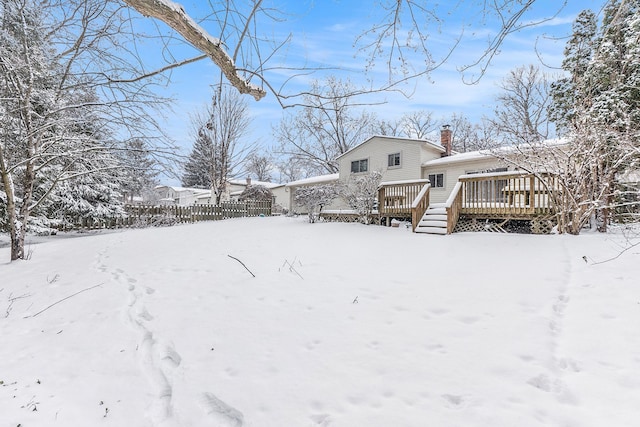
220, 149
329, 126
418, 124
468, 136
259, 166
521, 114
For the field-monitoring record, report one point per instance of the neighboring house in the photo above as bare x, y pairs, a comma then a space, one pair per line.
179, 196
281, 197
182, 196
291, 187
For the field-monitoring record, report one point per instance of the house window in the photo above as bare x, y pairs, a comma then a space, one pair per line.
358, 166
394, 160
436, 180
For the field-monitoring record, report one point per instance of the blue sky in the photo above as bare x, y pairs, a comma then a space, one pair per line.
323, 33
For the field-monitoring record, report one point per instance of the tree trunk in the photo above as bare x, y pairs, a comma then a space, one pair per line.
17, 232
16, 227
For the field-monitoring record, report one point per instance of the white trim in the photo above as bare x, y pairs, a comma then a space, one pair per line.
404, 181
368, 159
399, 165
444, 180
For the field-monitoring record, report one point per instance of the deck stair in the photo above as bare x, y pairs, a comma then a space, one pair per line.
434, 220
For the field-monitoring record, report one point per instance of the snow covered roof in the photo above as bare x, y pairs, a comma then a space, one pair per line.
430, 144
253, 182
458, 158
322, 179
183, 189
204, 195
489, 153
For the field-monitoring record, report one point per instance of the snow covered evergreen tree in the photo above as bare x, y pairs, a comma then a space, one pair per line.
139, 170
256, 192
198, 167
578, 54
66, 89
608, 117
597, 106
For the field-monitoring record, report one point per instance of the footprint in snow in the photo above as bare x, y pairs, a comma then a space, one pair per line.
323, 420
220, 412
453, 400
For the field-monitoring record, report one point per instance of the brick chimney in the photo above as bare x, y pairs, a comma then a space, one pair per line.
248, 181
445, 139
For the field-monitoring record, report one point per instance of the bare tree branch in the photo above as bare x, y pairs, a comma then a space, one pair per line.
174, 15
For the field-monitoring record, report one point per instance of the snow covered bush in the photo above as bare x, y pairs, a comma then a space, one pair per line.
361, 194
256, 192
314, 198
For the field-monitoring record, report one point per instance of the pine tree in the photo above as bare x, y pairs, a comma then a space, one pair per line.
66, 89
27, 80
578, 53
598, 106
198, 167
139, 170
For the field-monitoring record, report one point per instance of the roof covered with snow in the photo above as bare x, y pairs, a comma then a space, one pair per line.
254, 182
492, 152
458, 158
182, 189
322, 179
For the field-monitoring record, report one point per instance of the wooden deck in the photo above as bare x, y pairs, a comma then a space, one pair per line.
396, 199
502, 195
508, 195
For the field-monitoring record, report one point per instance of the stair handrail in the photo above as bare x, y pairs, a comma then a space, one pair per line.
453, 206
419, 206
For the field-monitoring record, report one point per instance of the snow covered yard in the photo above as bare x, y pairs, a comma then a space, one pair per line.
343, 325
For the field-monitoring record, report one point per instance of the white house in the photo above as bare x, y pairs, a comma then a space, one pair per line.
395, 158
478, 184
404, 159
180, 196
183, 196
290, 189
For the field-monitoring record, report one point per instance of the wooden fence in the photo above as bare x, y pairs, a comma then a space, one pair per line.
141, 215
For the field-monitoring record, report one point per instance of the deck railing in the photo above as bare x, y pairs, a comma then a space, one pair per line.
395, 198
507, 194
453, 206
419, 206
